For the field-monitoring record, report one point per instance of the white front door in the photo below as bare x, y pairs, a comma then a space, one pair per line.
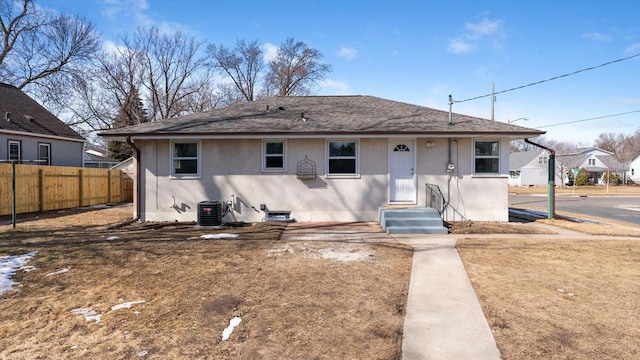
402, 178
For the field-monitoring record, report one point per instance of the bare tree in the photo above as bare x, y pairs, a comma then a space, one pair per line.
296, 69
42, 51
171, 65
243, 64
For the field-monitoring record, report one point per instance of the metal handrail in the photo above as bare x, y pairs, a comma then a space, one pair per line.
435, 199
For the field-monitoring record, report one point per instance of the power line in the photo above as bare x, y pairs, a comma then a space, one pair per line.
589, 119
550, 79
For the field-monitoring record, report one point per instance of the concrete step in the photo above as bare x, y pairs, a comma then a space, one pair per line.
417, 230
417, 221
411, 220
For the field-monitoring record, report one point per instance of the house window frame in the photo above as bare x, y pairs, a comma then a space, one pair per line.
356, 157
19, 144
592, 162
173, 158
48, 159
265, 156
478, 157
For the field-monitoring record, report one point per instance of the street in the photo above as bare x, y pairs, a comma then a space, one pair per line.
619, 208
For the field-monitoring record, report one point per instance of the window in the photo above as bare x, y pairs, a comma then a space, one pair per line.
14, 150
44, 154
514, 174
592, 162
343, 158
487, 157
542, 160
273, 156
185, 161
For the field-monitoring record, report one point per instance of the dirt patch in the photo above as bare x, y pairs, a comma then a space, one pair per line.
558, 299
493, 227
174, 292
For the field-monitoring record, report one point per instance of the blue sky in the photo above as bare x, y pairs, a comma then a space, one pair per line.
419, 52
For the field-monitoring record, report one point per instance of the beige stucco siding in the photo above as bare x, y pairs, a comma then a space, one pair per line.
231, 170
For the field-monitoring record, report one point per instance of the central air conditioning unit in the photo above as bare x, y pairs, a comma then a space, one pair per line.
209, 213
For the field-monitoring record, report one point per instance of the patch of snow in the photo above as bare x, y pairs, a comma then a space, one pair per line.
88, 313
112, 238
219, 236
142, 353
61, 271
27, 268
8, 267
229, 329
126, 305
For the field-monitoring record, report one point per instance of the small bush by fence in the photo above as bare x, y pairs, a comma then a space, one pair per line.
42, 188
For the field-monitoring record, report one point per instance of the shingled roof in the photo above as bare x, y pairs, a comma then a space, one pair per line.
322, 115
20, 113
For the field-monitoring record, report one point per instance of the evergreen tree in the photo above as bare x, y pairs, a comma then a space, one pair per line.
132, 112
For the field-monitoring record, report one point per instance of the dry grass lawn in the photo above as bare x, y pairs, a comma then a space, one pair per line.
588, 190
311, 300
558, 299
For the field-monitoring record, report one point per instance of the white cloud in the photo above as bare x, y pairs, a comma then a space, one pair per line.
460, 46
483, 28
597, 36
633, 48
474, 33
347, 53
334, 87
270, 51
113, 8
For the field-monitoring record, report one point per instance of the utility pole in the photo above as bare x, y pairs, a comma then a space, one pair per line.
493, 100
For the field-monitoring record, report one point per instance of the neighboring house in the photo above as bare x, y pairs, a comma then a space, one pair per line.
634, 170
321, 158
93, 160
531, 168
595, 161
127, 166
31, 134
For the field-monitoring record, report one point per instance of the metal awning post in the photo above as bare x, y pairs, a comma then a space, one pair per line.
551, 201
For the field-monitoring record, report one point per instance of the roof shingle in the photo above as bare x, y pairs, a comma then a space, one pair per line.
21, 113
322, 115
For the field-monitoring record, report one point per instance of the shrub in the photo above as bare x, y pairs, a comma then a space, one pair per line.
582, 178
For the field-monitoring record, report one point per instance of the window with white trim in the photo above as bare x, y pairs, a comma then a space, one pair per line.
342, 158
14, 152
543, 160
44, 154
184, 159
486, 157
273, 156
592, 162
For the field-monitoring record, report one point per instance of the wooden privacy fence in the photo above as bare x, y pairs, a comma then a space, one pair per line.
42, 188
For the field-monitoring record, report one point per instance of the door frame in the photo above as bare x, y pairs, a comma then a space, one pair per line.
391, 145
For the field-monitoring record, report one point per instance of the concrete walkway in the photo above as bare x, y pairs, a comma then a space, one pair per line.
444, 319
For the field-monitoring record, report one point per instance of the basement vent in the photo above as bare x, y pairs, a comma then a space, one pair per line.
278, 216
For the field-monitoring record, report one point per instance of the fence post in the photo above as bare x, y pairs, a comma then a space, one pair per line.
41, 189
109, 186
122, 182
80, 188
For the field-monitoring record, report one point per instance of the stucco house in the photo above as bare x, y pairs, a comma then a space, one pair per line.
29, 133
595, 161
531, 168
321, 158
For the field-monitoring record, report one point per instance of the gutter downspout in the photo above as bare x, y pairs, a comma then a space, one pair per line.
551, 201
138, 192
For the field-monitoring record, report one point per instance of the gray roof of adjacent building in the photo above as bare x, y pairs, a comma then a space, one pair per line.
322, 115
21, 114
519, 159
